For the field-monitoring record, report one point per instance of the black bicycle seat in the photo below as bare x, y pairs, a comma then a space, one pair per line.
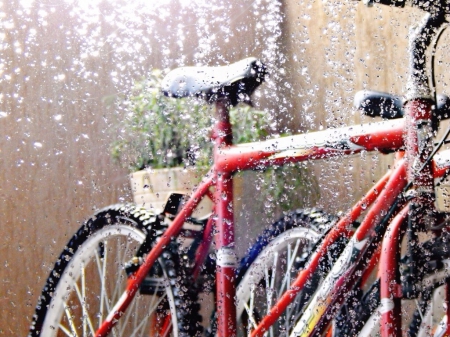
236, 81
379, 104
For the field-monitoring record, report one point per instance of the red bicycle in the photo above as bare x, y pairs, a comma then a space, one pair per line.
369, 272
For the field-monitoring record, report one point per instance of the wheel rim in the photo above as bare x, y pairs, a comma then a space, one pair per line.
93, 282
268, 277
433, 317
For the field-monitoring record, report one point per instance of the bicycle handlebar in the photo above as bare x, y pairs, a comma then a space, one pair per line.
424, 35
432, 7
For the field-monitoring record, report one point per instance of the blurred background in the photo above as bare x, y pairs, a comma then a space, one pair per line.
65, 66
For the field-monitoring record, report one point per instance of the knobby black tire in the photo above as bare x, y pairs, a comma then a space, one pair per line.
74, 300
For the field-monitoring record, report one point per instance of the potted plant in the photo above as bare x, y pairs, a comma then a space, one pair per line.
165, 142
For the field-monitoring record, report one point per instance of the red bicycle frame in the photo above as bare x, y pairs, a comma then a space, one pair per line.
412, 168
385, 136
228, 158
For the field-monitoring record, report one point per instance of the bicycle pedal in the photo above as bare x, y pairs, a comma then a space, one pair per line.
133, 265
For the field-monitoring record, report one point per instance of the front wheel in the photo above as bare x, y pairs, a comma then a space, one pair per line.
89, 278
423, 316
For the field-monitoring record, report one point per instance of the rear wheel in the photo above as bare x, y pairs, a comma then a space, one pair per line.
273, 263
89, 278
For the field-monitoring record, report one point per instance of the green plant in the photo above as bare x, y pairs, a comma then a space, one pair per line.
161, 132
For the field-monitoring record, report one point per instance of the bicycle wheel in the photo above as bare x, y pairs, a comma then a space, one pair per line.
421, 316
273, 263
430, 315
89, 278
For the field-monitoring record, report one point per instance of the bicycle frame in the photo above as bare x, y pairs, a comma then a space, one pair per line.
386, 136
388, 208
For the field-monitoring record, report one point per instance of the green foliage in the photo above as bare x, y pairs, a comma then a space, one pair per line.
161, 132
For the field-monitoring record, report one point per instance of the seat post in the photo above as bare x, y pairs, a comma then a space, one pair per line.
224, 226
222, 134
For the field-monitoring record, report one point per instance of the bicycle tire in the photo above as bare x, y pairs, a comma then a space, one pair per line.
430, 315
283, 240
89, 277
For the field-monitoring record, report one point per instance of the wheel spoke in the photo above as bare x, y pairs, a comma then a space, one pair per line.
139, 328
118, 290
267, 284
272, 287
252, 299
271, 272
81, 294
65, 330
70, 319
287, 281
155, 306
249, 308
101, 267
83, 298
287, 277
274, 270
250, 315
418, 309
129, 310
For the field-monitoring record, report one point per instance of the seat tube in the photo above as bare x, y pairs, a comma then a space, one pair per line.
224, 225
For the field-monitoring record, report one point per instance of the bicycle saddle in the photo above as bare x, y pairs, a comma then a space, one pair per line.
236, 81
379, 104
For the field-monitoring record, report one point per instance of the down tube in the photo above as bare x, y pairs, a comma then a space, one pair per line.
343, 274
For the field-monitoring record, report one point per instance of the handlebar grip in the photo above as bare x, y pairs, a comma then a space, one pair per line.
433, 8
392, 3
442, 107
